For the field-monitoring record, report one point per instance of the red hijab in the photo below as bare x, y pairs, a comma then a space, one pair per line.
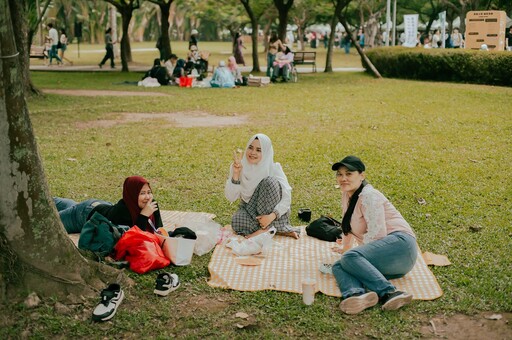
131, 190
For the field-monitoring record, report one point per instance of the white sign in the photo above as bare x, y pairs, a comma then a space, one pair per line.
411, 30
442, 19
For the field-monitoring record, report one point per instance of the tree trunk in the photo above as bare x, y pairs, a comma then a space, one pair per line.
23, 45
366, 61
36, 255
254, 36
165, 41
330, 49
126, 51
283, 7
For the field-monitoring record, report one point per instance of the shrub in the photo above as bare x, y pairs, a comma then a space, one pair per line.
480, 67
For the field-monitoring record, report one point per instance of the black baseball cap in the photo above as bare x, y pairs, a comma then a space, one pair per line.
352, 163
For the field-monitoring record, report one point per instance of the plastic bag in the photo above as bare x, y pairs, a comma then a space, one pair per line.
142, 250
254, 245
207, 232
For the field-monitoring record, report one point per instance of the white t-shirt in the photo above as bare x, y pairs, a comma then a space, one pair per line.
54, 35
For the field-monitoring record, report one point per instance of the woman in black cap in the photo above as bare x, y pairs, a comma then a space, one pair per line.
386, 243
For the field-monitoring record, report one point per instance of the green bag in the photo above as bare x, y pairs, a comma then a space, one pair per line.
100, 235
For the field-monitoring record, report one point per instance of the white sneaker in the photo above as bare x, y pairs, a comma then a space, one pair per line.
111, 298
166, 283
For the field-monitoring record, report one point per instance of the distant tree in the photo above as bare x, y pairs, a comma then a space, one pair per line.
164, 39
126, 8
255, 12
283, 8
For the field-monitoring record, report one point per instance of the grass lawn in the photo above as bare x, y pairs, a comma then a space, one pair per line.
448, 144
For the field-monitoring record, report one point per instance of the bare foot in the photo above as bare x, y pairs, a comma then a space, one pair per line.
256, 233
290, 234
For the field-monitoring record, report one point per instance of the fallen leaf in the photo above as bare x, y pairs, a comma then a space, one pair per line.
242, 315
475, 228
494, 317
421, 201
240, 326
71, 159
428, 215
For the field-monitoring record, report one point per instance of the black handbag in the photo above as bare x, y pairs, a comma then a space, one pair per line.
325, 228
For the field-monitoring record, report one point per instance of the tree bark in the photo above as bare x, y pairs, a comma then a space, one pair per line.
254, 35
330, 49
126, 51
23, 46
36, 255
283, 7
165, 9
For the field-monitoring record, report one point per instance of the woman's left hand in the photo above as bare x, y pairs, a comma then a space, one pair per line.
265, 220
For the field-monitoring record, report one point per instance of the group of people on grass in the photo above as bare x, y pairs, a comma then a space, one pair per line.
386, 244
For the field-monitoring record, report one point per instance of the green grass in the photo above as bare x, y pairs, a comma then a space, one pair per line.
446, 143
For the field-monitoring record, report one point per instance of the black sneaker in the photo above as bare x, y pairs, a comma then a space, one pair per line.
111, 298
395, 300
166, 283
100, 65
357, 303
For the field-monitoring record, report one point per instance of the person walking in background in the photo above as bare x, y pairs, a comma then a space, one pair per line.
109, 47
345, 41
237, 49
360, 38
63, 46
53, 36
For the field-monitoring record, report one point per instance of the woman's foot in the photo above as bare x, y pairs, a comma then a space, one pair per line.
357, 303
290, 234
256, 233
395, 300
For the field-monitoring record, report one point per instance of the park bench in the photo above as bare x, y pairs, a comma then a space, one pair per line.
305, 58
37, 52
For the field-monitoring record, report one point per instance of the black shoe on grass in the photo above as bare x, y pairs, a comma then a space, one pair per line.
111, 298
166, 283
395, 300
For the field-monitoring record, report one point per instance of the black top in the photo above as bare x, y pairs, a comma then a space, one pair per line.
120, 215
192, 41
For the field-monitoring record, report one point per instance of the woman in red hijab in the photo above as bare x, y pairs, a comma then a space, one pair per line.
135, 208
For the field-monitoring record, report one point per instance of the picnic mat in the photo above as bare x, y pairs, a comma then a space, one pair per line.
169, 218
291, 261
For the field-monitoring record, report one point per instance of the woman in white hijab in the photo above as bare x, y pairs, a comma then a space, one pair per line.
263, 189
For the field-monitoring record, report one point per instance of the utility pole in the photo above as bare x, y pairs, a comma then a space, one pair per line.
388, 20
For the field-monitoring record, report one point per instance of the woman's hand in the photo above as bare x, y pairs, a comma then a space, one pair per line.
265, 220
149, 209
237, 169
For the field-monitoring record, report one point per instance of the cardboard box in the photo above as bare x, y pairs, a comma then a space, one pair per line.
485, 27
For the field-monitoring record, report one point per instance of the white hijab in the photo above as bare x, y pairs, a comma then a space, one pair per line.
252, 174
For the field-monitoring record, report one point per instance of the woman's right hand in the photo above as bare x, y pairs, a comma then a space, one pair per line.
237, 169
149, 209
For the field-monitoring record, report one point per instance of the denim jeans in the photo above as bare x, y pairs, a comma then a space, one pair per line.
54, 54
371, 265
270, 62
74, 215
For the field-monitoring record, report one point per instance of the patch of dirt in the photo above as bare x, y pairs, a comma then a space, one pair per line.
95, 93
176, 119
485, 325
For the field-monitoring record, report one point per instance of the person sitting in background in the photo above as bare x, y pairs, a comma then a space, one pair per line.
282, 64
158, 72
170, 64
196, 62
179, 70
222, 77
233, 67
135, 208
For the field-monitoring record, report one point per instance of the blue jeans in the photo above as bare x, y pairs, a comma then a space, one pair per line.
54, 54
270, 62
369, 266
74, 215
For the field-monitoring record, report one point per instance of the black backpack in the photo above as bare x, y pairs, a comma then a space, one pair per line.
325, 228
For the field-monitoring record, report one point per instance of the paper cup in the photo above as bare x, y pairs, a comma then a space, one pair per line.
308, 291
